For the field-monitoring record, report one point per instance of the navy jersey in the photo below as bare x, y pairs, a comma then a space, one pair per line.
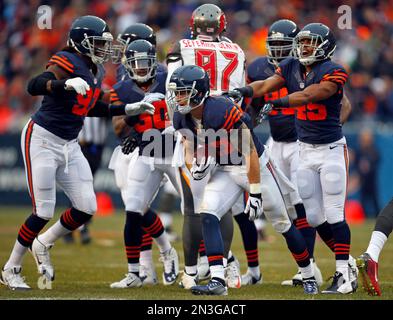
319, 122
219, 113
281, 121
63, 114
128, 91
122, 74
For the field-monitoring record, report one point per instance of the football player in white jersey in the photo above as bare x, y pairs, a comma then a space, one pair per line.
224, 62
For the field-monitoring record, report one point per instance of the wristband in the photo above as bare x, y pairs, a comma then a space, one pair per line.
255, 188
247, 91
282, 102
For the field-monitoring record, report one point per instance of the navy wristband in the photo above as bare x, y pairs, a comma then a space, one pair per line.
282, 102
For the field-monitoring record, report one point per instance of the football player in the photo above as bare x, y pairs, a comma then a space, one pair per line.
315, 87
147, 167
368, 261
195, 109
120, 160
224, 61
283, 146
71, 89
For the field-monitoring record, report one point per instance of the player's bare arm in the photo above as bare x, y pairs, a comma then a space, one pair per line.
346, 109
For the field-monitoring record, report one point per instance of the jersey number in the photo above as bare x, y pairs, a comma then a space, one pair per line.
311, 111
85, 103
207, 59
157, 120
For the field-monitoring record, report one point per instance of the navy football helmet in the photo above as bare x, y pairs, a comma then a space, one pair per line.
140, 60
280, 40
207, 23
188, 88
319, 38
90, 36
133, 32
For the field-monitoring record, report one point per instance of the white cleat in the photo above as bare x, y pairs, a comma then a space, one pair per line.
12, 278
187, 281
42, 258
353, 272
170, 260
203, 269
296, 280
147, 274
130, 281
248, 279
233, 276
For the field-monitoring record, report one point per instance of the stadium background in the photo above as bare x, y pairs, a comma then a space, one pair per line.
366, 51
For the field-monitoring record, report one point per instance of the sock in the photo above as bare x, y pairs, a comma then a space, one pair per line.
231, 257
202, 250
342, 239
72, 219
16, 257
213, 244
146, 242
250, 239
342, 267
191, 270
29, 230
152, 224
376, 244
133, 240
203, 259
146, 257
218, 273
254, 271
307, 272
325, 232
308, 232
297, 245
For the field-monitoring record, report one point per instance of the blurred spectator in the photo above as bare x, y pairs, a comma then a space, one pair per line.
367, 165
366, 50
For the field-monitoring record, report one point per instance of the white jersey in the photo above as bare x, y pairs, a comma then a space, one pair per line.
223, 61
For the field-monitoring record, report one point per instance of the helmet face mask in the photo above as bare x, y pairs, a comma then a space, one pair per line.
188, 88
314, 42
180, 99
279, 49
99, 48
90, 36
140, 61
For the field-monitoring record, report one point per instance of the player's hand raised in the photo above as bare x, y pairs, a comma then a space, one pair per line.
133, 109
254, 206
199, 171
77, 84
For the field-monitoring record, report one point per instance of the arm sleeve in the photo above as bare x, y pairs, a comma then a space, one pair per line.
339, 76
38, 85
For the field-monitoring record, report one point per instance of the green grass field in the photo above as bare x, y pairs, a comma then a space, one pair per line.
85, 272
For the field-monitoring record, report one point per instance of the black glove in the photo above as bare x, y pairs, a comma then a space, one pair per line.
263, 113
128, 144
238, 93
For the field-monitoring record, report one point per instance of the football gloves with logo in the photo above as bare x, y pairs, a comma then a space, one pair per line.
254, 206
199, 171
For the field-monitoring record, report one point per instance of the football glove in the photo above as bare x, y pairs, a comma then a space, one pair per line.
153, 97
254, 206
77, 84
128, 144
133, 109
267, 107
200, 171
238, 93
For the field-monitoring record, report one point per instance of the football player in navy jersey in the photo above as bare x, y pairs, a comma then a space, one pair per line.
133, 32
242, 166
315, 87
71, 89
283, 146
146, 167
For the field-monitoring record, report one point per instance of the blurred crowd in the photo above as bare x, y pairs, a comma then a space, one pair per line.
366, 50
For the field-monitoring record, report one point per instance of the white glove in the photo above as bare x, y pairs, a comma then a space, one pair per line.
169, 130
254, 206
77, 84
153, 97
200, 171
133, 109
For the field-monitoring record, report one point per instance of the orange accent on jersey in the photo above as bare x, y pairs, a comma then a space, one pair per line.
157, 121
64, 59
28, 162
233, 117
311, 111
61, 64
